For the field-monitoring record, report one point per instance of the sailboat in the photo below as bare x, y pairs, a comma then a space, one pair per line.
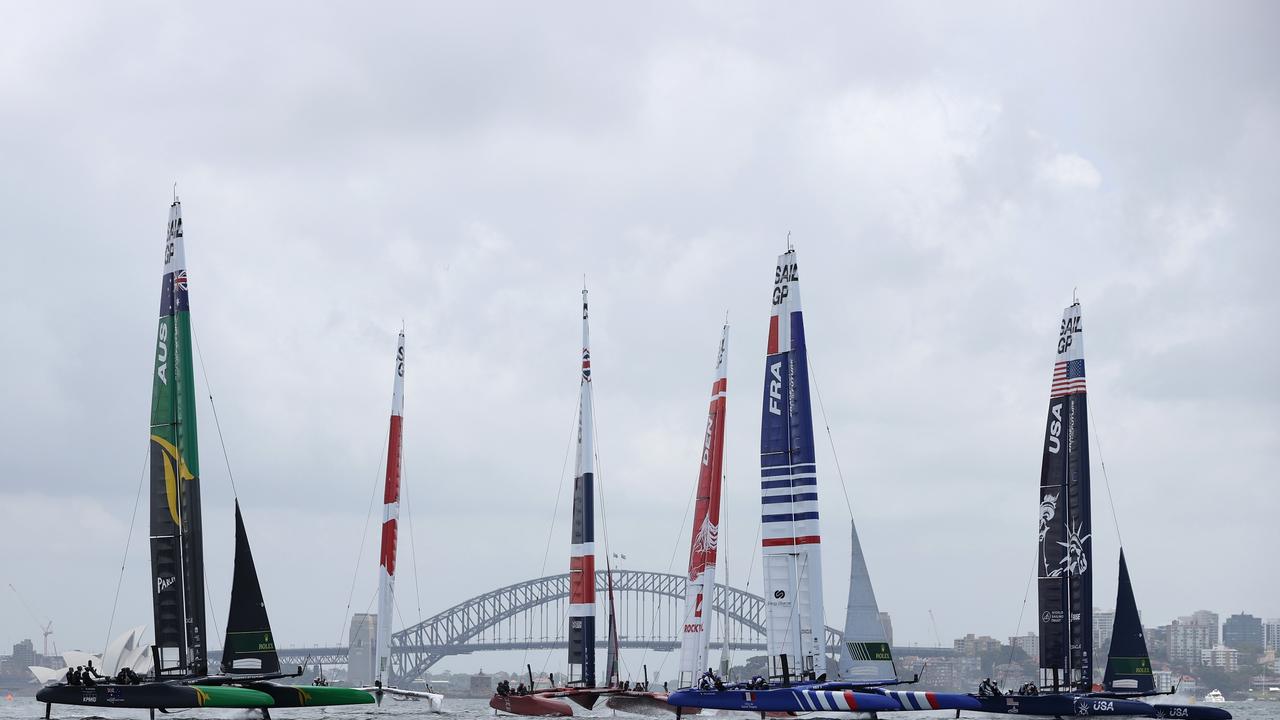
791, 539
387, 555
580, 685
700, 585
180, 676
1064, 571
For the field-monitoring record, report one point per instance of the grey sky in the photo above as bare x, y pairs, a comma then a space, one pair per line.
949, 173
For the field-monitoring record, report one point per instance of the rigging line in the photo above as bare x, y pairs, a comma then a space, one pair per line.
217, 633
675, 548
1035, 568
555, 510
216, 424
1097, 441
128, 540
364, 534
604, 511
404, 492
822, 408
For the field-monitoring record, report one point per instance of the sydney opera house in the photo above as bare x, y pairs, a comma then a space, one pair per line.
126, 651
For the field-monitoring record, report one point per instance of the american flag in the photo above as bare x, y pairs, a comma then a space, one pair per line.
1068, 378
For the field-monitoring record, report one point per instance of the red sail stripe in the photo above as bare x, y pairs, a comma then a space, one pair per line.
582, 579
388, 559
773, 335
802, 540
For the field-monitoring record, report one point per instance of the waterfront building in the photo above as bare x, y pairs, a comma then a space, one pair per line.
1102, 626
1163, 680
1189, 635
971, 646
1243, 632
360, 639
1157, 642
1029, 644
1271, 635
887, 624
1221, 656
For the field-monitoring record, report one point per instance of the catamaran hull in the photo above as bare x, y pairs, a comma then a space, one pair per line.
645, 703
796, 700
291, 696
155, 695
1063, 705
1191, 712
531, 705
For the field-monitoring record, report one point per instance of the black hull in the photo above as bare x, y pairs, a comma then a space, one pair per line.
153, 695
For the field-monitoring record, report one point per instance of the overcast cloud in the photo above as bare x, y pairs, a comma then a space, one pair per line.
949, 173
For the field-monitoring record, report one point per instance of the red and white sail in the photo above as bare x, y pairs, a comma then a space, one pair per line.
390, 519
695, 637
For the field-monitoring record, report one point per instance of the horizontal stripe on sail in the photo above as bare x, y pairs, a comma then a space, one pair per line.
803, 540
788, 483
790, 517
582, 610
800, 497
587, 548
768, 470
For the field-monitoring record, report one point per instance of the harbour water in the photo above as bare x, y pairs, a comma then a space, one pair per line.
26, 708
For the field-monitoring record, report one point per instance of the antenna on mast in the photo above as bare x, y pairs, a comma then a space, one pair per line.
789, 245
175, 191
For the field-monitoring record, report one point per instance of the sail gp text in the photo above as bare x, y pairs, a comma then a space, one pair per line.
782, 277
1070, 326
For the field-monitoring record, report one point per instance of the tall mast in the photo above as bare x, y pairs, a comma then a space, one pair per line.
1064, 575
791, 540
582, 551
177, 549
390, 520
700, 588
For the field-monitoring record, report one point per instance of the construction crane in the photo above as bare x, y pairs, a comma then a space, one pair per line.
46, 628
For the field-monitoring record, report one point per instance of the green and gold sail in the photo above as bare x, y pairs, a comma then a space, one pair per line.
177, 552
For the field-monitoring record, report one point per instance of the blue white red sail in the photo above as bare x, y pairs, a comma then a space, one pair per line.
791, 540
695, 637
582, 551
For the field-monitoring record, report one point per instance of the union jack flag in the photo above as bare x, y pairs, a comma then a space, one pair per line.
1068, 378
180, 280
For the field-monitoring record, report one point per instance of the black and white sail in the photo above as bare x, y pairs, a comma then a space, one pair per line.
1064, 575
249, 647
1128, 664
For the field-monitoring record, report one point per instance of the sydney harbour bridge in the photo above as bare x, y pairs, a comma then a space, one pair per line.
531, 615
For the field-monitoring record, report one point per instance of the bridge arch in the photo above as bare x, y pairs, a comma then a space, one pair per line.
532, 614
